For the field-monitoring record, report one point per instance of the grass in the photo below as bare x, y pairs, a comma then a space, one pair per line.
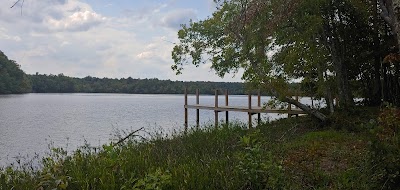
293, 153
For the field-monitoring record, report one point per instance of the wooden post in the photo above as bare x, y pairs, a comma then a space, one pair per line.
336, 101
216, 106
312, 102
259, 105
297, 99
250, 122
226, 104
197, 110
186, 110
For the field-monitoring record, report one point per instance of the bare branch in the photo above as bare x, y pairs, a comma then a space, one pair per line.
130, 134
15, 4
22, 4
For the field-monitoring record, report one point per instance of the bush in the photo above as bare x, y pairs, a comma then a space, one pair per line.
385, 149
257, 166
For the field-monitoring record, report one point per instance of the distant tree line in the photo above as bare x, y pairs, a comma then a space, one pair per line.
42, 83
14, 81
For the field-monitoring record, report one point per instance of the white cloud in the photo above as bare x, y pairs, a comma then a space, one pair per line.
71, 37
176, 18
78, 21
39, 51
64, 43
160, 7
145, 55
5, 36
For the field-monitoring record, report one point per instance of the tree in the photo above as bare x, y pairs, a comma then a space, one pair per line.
241, 33
12, 78
390, 12
325, 44
321, 42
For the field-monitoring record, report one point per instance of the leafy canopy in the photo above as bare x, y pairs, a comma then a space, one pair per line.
279, 41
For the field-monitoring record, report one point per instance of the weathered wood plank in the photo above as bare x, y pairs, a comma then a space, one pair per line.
254, 109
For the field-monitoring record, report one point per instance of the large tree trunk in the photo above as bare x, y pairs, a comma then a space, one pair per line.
337, 50
326, 89
390, 13
396, 81
342, 76
376, 97
329, 101
313, 112
307, 109
342, 81
385, 91
331, 37
377, 83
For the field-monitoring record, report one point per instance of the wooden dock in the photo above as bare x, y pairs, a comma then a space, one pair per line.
249, 109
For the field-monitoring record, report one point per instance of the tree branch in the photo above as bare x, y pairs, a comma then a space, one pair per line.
385, 13
307, 109
313, 112
15, 4
22, 4
130, 134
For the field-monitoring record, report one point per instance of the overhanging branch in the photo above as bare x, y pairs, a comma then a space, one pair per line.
22, 4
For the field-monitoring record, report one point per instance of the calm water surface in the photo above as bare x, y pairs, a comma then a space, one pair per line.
30, 122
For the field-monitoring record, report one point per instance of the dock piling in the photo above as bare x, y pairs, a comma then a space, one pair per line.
297, 99
197, 110
186, 110
312, 102
226, 104
250, 114
259, 105
216, 106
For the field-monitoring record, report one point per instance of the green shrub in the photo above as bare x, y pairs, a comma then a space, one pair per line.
156, 180
385, 148
256, 165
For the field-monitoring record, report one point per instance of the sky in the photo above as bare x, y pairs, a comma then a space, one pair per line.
102, 38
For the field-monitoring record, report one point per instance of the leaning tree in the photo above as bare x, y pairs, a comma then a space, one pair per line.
277, 42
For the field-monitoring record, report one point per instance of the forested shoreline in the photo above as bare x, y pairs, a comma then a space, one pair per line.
15, 81
42, 83
12, 79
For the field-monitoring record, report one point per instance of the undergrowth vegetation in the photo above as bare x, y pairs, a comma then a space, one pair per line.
353, 153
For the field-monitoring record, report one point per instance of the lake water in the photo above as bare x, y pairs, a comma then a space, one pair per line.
30, 122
